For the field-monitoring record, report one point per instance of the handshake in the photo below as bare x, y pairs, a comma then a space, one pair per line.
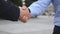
24, 14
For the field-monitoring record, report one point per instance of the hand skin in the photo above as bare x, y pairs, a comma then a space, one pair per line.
24, 14
26, 10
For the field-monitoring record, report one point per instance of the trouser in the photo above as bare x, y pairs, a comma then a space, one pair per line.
56, 30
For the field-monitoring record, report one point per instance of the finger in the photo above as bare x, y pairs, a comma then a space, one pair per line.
25, 19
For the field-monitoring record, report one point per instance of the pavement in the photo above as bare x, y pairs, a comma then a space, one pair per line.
39, 25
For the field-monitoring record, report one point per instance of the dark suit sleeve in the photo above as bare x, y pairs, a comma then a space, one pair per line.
9, 11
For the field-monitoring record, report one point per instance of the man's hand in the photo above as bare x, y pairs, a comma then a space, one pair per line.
24, 14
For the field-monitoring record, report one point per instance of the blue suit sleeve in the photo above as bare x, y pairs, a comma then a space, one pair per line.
37, 7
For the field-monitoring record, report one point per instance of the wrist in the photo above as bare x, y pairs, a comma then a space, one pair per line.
19, 12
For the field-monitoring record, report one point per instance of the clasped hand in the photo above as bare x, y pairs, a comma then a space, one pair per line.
24, 14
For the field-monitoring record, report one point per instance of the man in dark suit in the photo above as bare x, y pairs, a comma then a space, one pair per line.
9, 11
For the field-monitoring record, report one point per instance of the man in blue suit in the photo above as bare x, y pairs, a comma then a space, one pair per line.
37, 7
9, 11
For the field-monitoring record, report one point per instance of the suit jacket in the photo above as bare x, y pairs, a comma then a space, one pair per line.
8, 11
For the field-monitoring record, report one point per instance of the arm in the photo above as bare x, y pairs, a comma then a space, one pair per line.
9, 11
12, 12
37, 7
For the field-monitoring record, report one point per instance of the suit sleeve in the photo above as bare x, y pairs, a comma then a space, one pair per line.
37, 7
9, 11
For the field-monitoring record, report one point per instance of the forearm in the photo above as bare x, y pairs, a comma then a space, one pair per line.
9, 11
37, 7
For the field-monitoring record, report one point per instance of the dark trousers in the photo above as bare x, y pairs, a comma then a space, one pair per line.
56, 30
